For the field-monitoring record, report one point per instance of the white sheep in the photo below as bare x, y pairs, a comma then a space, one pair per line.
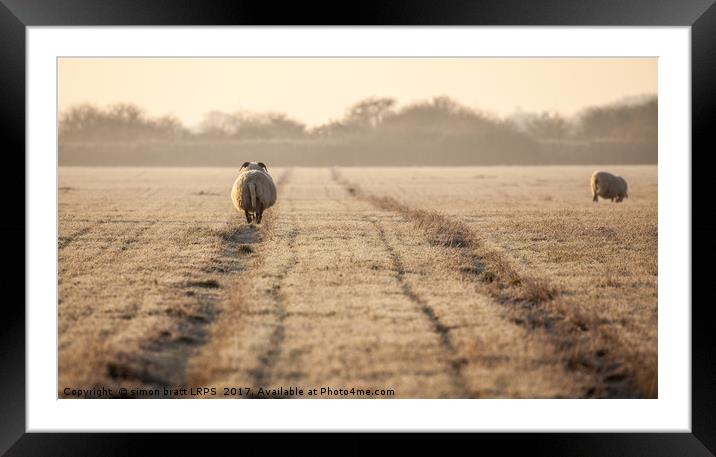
607, 185
254, 191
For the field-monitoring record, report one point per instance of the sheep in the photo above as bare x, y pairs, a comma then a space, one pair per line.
254, 191
607, 185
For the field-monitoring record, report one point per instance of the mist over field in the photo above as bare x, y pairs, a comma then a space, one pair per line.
373, 131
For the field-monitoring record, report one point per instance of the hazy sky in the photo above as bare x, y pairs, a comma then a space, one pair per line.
317, 90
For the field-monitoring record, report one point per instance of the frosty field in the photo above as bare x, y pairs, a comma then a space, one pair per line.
433, 282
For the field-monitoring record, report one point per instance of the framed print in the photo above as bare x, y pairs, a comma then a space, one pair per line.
454, 218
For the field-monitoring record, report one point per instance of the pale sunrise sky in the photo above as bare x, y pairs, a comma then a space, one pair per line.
315, 90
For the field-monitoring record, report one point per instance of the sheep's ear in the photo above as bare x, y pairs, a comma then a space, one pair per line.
246, 164
261, 164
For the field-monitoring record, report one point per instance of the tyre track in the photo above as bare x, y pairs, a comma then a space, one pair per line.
456, 362
126, 241
161, 359
443, 332
453, 368
233, 307
611, 378
306, 317
116, 249
193, 330
262, 373
64, 241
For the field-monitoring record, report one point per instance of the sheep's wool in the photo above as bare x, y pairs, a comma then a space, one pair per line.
609, 186
264, 187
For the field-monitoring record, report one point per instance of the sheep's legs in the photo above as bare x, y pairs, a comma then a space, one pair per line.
595, 198
259, 212
248, 217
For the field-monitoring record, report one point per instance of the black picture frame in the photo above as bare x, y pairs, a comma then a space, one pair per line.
16, 15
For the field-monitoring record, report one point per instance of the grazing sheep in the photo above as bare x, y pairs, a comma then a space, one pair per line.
253, 191
607, 185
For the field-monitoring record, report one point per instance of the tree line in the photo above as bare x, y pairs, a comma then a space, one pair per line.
373, 119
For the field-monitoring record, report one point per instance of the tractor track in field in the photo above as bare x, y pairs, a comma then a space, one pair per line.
611, 378
64, 241
261, 374
162, 361
455, 362
339, 287
285, 326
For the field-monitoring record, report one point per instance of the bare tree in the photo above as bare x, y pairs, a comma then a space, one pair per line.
547, 126
121, 121
633, 122
369, 112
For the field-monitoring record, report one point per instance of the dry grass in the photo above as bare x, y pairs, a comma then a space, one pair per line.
489, 266
145, 256
501, 293
345, 295
590, 268
233, 310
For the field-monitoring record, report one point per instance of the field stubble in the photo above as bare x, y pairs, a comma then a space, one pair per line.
585, 274
466, 282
